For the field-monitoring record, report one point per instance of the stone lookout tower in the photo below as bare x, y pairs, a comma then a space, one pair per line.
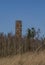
18, 29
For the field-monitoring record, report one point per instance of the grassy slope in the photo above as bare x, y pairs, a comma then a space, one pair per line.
25, 59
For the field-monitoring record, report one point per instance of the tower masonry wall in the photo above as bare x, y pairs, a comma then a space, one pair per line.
18, 29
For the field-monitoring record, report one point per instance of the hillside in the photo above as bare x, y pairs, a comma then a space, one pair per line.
25, 59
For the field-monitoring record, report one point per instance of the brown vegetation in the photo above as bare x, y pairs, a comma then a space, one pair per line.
18, 50
9, 45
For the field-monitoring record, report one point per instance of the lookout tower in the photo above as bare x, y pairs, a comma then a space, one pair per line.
18, 29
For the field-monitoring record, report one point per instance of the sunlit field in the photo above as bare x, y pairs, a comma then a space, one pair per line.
24, 59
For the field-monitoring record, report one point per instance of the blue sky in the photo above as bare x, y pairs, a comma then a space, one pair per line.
31, 12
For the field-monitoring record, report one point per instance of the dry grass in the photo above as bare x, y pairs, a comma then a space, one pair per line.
25, 59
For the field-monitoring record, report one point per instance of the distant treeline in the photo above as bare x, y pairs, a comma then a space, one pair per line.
10, 45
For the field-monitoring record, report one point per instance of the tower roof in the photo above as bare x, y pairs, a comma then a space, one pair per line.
18, 21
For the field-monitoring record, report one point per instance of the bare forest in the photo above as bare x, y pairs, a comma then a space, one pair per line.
12, 46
